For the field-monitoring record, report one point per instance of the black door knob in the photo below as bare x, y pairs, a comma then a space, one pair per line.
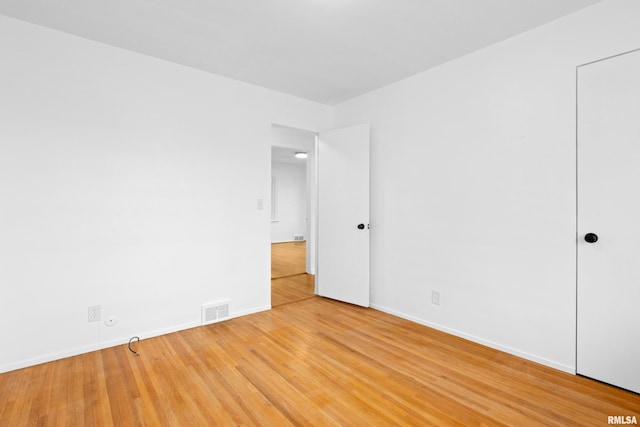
590, 237
360, 226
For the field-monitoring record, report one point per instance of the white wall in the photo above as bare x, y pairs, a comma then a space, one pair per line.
291, 182
473, 185
128, 182
115, 171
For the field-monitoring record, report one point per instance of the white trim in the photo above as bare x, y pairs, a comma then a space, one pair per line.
478, 340
251, 311
112, 343
274, 199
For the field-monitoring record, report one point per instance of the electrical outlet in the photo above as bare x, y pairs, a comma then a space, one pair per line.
111, 321
94, 313
435, 297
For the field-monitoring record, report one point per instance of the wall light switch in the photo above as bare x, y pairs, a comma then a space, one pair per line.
260, 204
435, 297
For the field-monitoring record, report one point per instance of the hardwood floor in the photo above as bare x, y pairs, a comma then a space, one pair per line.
289, 282
292, 289
314, 362
288, 259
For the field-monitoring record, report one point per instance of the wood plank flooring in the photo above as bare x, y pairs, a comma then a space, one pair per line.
289, 282
315, 362
292, 289
288, 259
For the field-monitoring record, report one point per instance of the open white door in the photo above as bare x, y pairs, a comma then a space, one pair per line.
342, 271
609, 221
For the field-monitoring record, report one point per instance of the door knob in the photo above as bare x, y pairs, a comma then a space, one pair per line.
590, 237
360, 226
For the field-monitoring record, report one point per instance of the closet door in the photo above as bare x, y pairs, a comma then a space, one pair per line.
608, 246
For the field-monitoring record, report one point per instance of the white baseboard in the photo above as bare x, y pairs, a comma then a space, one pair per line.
251, 311
94, 347
479, 340
115, 342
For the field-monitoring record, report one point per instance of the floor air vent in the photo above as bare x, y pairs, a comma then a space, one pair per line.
298, 237
215, 312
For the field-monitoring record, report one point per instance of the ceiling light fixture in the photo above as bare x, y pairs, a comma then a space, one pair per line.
301, 155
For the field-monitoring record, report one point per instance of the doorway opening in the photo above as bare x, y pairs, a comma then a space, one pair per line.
293, 215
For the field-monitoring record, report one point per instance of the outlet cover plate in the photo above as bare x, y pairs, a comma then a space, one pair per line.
435, 297
94, 313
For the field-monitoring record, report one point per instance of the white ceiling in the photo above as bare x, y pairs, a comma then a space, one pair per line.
286, 155
323, 50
